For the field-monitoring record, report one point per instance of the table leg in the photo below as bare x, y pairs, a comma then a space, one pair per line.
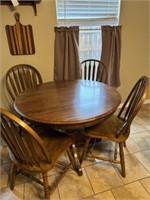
77, 163
73, 134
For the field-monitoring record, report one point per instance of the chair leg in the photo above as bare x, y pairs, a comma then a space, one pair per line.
122, 161
115, 153
124, 144
76, 166
71, 159
13, 176
46, 185
85, 149
77, 163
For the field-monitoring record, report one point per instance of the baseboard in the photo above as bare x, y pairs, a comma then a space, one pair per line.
147, 101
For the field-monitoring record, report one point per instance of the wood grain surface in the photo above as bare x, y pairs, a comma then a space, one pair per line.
65, 104
20, 38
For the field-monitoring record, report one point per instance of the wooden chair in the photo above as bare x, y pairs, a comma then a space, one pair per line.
32, 152
93, 70
117, 127
20, 77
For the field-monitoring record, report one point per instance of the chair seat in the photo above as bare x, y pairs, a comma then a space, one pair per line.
107, 130
55, 142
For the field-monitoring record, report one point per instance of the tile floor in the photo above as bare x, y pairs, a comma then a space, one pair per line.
100, 180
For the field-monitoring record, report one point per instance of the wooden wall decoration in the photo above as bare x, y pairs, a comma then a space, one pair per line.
20, 38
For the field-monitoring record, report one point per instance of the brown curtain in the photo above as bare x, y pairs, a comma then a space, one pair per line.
66, 53
111, 53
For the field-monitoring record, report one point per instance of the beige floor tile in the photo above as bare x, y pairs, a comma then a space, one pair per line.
142, 139
87, 161
145, 122
20, 178
137, 126
134, 170
58, 168
16, 194
34, 190
132, 131
102, 196
131, 147
4, 175
4, 156
74, 187
132, 191
104, 148
144, 158
145, 111
146, 183
103, 177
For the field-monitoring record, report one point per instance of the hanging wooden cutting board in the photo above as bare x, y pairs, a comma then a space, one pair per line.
20, 38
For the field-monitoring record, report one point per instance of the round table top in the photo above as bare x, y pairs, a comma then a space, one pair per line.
70, 104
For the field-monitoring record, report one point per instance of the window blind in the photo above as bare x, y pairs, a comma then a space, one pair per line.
88, 12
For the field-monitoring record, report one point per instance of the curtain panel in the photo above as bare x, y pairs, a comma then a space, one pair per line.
66, 53
111, 53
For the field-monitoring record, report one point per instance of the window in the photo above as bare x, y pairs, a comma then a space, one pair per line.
90, 15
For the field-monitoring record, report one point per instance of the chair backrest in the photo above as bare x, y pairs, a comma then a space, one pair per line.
93, 70
20, 77
26, 147
133, 103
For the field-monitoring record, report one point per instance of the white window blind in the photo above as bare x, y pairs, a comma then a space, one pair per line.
89, 15
88, 12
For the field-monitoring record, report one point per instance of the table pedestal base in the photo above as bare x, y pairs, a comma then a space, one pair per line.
77, 163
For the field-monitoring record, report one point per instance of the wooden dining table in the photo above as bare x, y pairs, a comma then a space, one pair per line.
68, 105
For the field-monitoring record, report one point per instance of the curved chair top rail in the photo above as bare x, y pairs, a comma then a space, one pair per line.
20, 77
133, 103
93, 69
